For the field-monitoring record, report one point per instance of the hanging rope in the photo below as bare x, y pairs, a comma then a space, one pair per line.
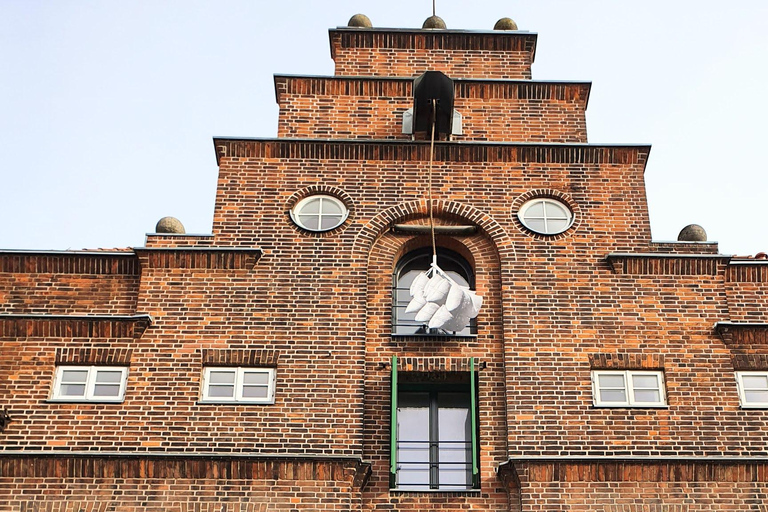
429, 186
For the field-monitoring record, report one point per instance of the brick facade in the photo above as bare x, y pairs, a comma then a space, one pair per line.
316, 307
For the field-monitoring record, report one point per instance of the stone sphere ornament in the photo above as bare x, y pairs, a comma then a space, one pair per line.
169, 225
505, 24
434, 22
692, 233
359, 20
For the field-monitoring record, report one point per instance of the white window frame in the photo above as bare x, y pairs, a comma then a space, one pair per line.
628, 388
90, 384
239, 374
521, 215
296, 212
742, 390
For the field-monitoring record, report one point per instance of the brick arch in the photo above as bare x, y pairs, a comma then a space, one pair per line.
410, 210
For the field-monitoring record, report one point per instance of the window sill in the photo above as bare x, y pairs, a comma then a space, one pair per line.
233, 402
83, 401
625, 406
408, 492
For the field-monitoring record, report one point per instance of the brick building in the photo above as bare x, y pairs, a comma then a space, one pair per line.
271, 365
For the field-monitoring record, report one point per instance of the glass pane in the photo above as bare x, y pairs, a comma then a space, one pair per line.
613, 395
555, 211
255, 391
755, 381
221, 391
413, 440
309, 221
311, 206
556, 226
535, 225
647, 395
330, 221
535, 210
756, 397
74, 376
645, 381
106, 390
108, 376
610, 381
455, 441
331, 207
256, 378
222, 377
73, 390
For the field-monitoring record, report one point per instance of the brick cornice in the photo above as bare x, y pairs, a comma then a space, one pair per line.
69, 262
667, 264
226, 258
146, 465
402, 87
73, 326
743, 333
693, 469
393, 150
407, 39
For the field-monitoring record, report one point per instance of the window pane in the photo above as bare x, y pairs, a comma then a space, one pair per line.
256, 378
103, 376
255, 391
73, 390
645, 381
454, 448
309, 221
330, 221
216, 377
647, 395
413, 440
755, 381
106, 390
613, 395
331, 207
610, 381
535, 210
74, 376
221, 391
556, 226
555, 211
756, 397
535, 224
311, 206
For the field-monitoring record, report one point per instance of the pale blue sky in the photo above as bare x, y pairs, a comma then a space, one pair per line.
108, 108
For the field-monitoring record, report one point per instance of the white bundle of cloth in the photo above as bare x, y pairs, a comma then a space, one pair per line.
440, 302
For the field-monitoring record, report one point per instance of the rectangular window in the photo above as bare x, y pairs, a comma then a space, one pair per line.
434, 445
628, 388
242, 385
90, 383
753, 388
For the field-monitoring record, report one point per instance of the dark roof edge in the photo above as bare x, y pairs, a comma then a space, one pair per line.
53, 252
406, 78
39, 316
431, 31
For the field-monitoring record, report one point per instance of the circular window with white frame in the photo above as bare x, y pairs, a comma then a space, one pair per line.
319, 213
545, 216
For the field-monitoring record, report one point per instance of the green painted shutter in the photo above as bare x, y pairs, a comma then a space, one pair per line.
393, 427
473, 426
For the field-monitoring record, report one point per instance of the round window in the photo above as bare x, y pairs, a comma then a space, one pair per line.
545, 216
319, 213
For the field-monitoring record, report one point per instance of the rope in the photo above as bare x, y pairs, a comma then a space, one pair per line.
429, 187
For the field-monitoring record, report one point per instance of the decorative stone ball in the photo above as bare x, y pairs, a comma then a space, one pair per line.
692, 233
434, 22
505, 24
169, 225
359, 20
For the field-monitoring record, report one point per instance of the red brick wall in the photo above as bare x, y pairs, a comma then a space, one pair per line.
409, 53
333, 108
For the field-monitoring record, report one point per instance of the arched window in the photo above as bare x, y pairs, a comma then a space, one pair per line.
410, 266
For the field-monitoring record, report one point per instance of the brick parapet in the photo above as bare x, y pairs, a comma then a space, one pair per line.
458, 53
372, 108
